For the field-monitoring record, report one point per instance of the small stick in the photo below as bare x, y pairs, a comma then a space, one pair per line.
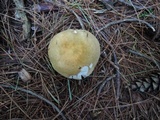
117, 76
127, 20
117, 68
132, 5
157, 63
103, 84
38, 96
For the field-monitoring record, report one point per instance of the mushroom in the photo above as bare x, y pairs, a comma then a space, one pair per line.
74, 53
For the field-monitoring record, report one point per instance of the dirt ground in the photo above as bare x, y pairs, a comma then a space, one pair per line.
129, 35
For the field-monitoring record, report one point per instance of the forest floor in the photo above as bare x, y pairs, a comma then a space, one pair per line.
129, 35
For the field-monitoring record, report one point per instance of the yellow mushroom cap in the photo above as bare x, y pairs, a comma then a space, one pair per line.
74, 53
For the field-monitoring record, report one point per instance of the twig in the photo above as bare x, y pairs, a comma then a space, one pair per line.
103, 84
127, 20
108, 4
157, 63
117, 68
117, 79
132, 5
38, 96
117, 76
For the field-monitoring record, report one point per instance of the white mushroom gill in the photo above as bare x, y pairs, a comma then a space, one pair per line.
83, 72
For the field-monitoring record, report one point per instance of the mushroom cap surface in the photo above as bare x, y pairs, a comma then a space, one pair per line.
74, 53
